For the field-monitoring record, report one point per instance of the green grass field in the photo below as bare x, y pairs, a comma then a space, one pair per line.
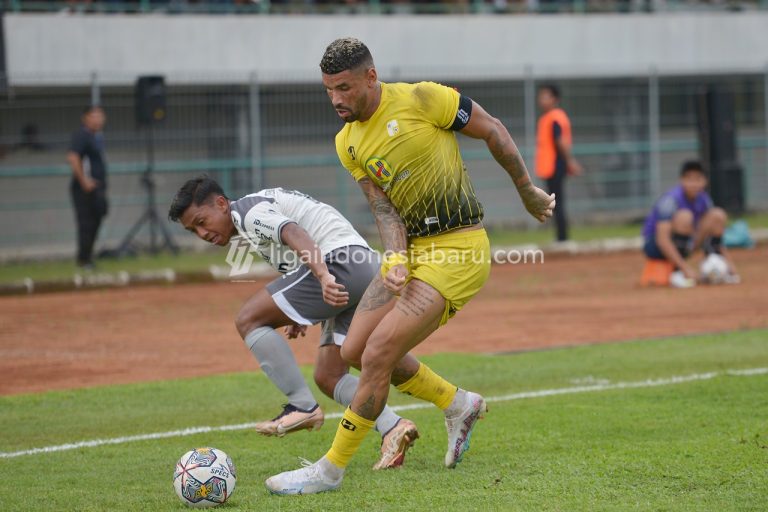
201, 261
65, 269
696, 445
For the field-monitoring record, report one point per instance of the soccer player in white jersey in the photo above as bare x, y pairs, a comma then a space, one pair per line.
326, 267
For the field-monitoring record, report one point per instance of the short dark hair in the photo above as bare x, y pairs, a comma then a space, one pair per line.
692, 166
552, 88
197, 191
90, 108
343, 54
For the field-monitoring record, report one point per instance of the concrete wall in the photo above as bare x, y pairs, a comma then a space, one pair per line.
57, 48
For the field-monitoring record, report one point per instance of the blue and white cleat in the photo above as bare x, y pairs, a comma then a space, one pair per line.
310, 479
460, 424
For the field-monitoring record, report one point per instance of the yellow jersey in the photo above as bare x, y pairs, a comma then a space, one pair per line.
409, 150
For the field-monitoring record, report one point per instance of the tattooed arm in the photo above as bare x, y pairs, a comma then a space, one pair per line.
391, 230
391, 226
482, 125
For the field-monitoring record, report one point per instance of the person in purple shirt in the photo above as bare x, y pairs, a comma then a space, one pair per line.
685, 219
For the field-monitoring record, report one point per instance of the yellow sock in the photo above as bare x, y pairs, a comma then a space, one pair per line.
429, 386
351, 432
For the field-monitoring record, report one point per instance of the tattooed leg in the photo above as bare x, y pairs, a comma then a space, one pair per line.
385, 357
376, 302
375, 296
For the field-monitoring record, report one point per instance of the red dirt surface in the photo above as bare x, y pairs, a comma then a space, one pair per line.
80, 339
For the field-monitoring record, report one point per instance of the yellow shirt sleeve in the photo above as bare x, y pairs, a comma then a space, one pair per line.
438, 103
347, 159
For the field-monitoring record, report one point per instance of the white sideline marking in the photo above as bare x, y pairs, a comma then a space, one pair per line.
504, 398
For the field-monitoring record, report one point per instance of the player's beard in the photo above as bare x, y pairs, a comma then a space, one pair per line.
353, 116
354, 111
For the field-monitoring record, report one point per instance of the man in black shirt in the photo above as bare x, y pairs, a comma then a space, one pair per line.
89, 181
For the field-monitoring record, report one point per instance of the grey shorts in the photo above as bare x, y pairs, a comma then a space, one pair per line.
299, 295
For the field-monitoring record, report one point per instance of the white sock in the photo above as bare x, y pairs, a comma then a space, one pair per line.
458, 404
329, 469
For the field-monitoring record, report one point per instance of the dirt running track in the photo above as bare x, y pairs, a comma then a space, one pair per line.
70, 340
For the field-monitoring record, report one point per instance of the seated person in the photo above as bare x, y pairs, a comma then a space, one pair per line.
683, 220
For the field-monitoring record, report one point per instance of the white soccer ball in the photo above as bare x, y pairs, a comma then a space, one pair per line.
204, 477
714, 269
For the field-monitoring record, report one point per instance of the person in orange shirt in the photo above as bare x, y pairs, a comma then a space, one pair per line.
554, 159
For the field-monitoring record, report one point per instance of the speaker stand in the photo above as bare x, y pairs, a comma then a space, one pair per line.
150, 215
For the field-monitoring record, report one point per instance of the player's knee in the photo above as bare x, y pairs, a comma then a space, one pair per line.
351, 354
719, 216
682, 222
246, 321
380, 358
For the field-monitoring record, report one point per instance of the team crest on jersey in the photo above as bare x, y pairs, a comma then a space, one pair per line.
379, 168
393, 128
351, 151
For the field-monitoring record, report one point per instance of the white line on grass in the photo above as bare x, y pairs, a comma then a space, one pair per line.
681, 379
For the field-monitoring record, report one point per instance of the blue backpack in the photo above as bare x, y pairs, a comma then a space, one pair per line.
737, 235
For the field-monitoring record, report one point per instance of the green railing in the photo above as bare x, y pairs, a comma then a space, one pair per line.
745, 144
224, 168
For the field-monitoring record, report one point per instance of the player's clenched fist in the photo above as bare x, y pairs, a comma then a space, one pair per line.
538, 203
395, 278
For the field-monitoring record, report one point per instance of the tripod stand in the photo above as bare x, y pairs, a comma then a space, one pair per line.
150, 215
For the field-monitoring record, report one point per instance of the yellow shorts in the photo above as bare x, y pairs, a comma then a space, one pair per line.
455, 264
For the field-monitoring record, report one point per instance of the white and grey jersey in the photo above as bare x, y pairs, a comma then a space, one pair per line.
260, 217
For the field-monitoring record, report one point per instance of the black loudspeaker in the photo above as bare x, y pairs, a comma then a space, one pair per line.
726, 185
3, 74
150, 99
717, 148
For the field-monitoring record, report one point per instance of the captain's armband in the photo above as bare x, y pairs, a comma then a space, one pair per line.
463, 114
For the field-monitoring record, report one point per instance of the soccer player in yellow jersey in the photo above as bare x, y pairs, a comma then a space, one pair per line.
399, 144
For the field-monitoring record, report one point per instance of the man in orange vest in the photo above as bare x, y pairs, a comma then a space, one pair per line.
554, 159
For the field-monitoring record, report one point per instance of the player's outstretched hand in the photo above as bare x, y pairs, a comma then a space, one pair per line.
294, 331
333, 292
396, 279
538, 203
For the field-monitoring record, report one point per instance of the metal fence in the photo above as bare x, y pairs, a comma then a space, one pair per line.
630, 133
385, 7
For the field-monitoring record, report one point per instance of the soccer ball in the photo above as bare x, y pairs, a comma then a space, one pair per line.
714, 269
204, 477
